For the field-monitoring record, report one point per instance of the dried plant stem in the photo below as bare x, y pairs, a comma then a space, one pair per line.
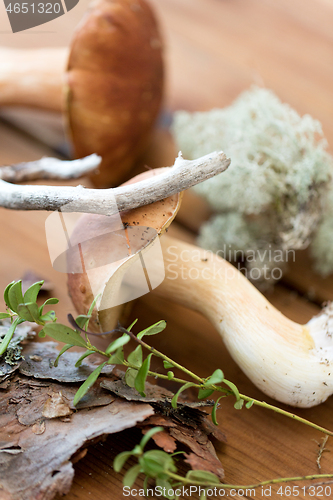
288, 414
172, 180
165, 358
322, 449
200, 384
184, 480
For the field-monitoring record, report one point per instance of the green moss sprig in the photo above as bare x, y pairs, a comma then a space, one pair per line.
155, 464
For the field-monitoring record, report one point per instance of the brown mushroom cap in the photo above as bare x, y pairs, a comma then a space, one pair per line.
114, 85
157, 216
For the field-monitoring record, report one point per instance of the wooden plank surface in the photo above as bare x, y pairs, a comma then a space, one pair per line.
214, 50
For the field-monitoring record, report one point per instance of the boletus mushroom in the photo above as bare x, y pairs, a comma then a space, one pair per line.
289, 362
109, 83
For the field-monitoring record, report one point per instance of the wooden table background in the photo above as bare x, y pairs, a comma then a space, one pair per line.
214, 50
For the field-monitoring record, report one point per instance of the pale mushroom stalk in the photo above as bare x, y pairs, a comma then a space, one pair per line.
33, 78
289, 362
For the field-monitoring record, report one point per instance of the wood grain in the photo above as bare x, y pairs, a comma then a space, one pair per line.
302, 276
216, 49
23, 243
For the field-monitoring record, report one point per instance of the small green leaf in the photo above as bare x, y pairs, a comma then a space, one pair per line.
9, 335
170, 375
64, 349
214, 419
155, 463
140, 379
167, 365
205, 393
153, 329
131, 475
51, 300
216, 378
6, 292
63, 333
239, 404
91, 308
148, 436
233, 388
117, 358
137, 451
29, 312
120, 460
49, 316
203, 476
82, 320
176, 396
145, 486
47, 302
165, 486
84, 388
135, 357
130, 376
132, 324
4, 315
81, 358
15, 296
32, 293
249, 404
121, 341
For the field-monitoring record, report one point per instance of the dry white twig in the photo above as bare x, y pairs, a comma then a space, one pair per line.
183, 175
50, 168
322, 449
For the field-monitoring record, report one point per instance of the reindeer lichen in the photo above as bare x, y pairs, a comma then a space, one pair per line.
279, 176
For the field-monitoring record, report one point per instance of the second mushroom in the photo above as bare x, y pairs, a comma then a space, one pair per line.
109, 83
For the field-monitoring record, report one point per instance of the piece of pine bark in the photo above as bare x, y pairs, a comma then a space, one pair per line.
41, 430
42, 434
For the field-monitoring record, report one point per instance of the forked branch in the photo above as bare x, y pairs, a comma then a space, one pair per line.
183, 175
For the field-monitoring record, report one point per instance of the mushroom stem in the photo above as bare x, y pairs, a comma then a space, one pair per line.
289, 362
168, 181
33, 78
